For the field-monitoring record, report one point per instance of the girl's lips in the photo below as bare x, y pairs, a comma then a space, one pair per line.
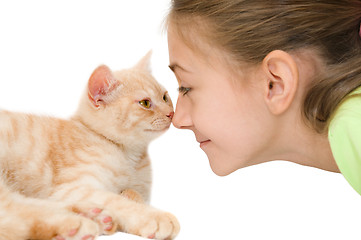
204, 143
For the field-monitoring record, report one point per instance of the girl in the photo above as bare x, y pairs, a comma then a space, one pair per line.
270, 80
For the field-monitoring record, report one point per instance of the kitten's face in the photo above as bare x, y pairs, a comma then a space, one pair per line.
143, 105
128, 104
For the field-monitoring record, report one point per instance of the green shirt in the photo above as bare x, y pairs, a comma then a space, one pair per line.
345, 138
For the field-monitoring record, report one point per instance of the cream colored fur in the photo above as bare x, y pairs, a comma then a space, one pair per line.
97, 159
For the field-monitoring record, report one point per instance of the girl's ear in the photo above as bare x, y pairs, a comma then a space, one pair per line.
144, 63
101, 83
281, 80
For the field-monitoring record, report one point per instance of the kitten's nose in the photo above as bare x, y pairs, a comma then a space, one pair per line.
170, 115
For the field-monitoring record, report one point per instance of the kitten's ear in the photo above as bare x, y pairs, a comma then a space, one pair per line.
144, 63
101, 83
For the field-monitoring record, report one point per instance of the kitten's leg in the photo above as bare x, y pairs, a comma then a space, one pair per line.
25, 218
131, 217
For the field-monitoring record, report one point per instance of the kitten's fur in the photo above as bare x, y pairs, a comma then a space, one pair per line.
47, 164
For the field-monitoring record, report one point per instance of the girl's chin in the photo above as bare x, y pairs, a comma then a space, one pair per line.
220, 172
219, 168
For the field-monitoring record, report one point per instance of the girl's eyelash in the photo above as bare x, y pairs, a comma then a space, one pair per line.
183, 90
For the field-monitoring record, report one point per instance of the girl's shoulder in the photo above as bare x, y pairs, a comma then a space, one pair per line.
349, 106
345, 138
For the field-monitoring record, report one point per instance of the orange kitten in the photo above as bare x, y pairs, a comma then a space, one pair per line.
48, 164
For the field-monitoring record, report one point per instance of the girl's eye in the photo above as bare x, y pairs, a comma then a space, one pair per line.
183, 90
145, 103
165, 98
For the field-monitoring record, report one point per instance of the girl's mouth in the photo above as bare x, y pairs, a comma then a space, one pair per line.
203, 143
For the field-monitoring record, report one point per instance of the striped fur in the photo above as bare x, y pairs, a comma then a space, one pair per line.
97, 159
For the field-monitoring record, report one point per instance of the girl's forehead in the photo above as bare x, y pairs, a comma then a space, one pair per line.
190, 38
185, 59
188, 55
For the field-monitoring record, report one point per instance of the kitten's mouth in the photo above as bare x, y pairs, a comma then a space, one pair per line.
157, 130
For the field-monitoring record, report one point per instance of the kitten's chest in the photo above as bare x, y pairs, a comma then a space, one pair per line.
130, 171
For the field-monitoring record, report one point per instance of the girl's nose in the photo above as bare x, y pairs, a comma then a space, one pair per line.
182, 118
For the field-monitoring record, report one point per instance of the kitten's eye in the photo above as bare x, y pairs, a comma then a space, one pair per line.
165, 98
145, 103
183, 90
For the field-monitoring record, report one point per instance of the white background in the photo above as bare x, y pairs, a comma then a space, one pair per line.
48, 49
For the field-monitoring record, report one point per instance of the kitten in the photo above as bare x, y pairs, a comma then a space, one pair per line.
98, 159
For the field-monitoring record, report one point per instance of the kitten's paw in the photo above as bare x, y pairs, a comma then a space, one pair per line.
104, 219
132, 195
98, 215
155, 224
76, 228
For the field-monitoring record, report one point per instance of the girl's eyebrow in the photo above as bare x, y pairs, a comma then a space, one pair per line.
175, 66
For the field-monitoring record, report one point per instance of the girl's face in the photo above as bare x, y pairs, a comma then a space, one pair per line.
225, 110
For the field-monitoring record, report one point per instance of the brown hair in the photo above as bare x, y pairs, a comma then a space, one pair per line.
248, 30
